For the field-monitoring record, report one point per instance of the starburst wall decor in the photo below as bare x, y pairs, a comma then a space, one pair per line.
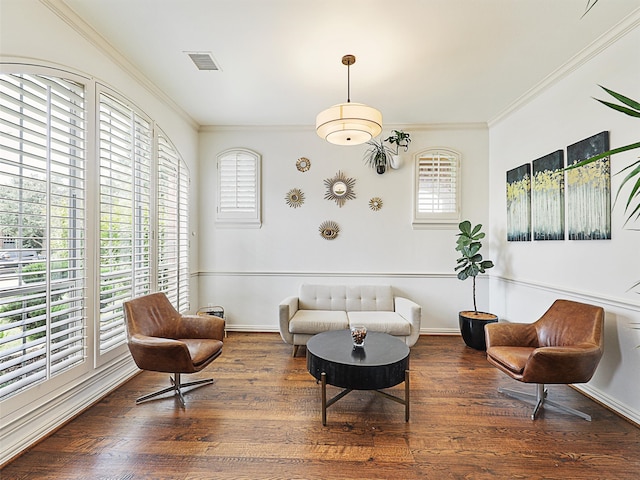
375, 204
340, 188
294, 198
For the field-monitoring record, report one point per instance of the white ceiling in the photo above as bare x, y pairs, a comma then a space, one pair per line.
418, 61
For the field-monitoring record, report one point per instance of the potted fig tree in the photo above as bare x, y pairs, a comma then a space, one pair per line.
469, 265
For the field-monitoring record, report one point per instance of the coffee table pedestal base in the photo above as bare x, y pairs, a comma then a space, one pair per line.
327, 403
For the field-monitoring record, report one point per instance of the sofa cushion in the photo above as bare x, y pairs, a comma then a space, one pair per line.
317, 321
348, 298
376, 298
322, 297
385, 322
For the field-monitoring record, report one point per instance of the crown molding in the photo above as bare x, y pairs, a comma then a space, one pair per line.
71, 18
626, 25
311, 128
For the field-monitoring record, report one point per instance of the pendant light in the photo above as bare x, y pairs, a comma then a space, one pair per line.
349, 123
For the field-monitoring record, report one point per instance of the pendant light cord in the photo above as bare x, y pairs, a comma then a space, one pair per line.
349, 82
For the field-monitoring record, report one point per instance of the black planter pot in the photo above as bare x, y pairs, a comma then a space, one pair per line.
472, 327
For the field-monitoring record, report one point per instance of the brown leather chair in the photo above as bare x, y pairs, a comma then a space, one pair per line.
160, 339
564, 346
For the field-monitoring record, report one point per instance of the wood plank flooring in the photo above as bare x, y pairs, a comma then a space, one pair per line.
262, 420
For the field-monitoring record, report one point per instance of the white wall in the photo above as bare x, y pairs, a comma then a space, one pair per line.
530, 275
249, 271
31, 33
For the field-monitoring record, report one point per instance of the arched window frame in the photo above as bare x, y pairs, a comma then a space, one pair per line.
437, 188
238, 189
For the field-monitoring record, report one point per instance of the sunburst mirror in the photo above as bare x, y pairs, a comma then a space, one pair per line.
340, 188
294, 198
375, 204
303, 164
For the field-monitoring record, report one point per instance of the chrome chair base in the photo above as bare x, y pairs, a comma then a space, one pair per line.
176, 387
541, 399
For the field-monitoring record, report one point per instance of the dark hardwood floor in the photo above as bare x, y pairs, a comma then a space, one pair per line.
262, 420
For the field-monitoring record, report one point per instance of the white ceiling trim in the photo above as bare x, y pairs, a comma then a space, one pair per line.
86, 31
607, 39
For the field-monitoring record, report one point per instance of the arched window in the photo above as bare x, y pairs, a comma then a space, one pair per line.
42, 228
239, 189
50, 285
436, 188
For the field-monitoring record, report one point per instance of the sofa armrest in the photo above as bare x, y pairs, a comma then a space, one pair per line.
412, 312
286, 310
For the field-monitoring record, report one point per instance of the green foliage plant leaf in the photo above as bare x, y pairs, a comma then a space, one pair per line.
471, 262
589, 6
632, 108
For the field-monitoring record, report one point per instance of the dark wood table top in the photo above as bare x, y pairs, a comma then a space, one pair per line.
381, 363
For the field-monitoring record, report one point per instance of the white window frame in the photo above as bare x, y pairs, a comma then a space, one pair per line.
127, 154
172, 240
238, 189
445, 177
60, 148
159, 225
46, 149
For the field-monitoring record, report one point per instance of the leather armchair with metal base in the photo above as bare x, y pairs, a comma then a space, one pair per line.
563, 347
161, 339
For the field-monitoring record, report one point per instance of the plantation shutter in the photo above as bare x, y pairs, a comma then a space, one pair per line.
239, 188
437, 187
42, 229
183, 303
173, 216
125, 140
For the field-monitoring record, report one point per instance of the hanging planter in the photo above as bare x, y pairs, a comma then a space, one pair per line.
400, 139
381, 157
378, 155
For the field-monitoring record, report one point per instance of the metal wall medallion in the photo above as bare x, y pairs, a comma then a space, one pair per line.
329, 229
375, 204
340, 188
294, 198
303, 164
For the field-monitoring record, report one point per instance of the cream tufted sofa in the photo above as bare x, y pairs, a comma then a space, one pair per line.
319, 308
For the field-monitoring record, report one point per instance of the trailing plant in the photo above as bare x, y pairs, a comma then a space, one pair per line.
471, 263
400, 139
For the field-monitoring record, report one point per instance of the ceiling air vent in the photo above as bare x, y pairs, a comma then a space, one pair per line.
203, 60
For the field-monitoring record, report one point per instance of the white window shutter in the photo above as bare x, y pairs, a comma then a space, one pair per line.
125, 197
173, 225
437, 188
238, 189
42, 226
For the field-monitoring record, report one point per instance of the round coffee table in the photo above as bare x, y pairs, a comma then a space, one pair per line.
383, 362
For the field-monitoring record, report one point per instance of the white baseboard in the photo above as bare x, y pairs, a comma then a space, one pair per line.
28, 429
609, 402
